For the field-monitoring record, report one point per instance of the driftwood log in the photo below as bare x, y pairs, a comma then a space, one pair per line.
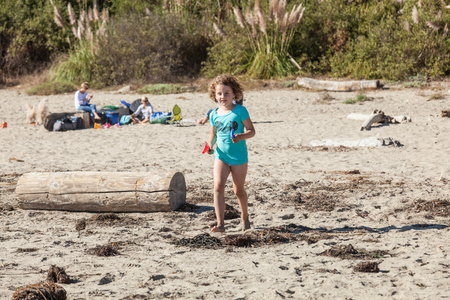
102, 191
50, 119
338, 86
85, 116
377, 116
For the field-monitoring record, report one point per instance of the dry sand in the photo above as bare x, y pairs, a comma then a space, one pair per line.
389, 203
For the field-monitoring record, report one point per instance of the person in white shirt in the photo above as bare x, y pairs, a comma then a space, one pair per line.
143, 113
82, 101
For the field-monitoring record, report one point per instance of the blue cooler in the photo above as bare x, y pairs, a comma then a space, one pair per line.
113, 116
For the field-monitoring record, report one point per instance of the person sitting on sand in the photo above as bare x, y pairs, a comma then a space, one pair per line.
143, 113
231, 126
82, 101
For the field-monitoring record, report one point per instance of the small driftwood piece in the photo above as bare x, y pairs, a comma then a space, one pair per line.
338, 86
102, 191
445, 113
376, 117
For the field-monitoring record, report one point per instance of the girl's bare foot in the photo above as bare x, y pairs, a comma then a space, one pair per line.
218, 228
246, 224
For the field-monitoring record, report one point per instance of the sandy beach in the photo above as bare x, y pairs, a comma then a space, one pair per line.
390, 203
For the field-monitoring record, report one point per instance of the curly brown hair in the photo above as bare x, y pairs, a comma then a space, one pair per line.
227, 80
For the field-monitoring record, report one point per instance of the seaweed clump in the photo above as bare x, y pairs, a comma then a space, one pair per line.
438, 207
105, 250
57, 274
41, 291
204, 240
349, 252
367, 267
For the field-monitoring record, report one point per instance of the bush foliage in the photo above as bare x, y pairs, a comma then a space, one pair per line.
154, 41
151, 49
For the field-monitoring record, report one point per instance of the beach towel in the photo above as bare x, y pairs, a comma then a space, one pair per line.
125, 120
160, 117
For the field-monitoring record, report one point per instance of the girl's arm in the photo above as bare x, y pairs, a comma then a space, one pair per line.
212, 135
248, 133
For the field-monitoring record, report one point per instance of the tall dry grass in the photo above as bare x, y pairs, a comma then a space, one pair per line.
85, 30
269, 35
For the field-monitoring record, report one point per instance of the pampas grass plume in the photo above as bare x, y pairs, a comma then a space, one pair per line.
219, 31
74, 31
273, 7
300, 17
407, 27
292, 17
415, 15
90, 14
105, 15
281, 10
433, 25
72, 17
79, 33
262, 21
57, 17
81, 26
96, 14
239, 17
82, 15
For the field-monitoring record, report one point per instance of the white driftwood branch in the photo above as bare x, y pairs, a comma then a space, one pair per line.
337, 86
366, 142
375, 117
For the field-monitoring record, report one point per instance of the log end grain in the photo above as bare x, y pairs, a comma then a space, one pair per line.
177, 191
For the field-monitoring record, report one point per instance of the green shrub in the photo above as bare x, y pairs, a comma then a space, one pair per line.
417, 81
392, 46
51, 88
359, 98
151, 49
78, 66
28, 40
162, 89
229, 55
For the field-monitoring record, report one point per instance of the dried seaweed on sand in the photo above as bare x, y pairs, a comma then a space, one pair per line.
41, 291
204, 240
105, 250
58, 275
367, 267
349, 252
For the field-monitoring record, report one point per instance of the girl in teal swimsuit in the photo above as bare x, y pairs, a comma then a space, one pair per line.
231, 126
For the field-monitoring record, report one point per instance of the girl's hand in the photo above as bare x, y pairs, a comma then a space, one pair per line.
236, 138
210, 150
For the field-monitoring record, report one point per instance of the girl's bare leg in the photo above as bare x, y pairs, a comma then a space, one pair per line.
221, 172
239, 173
